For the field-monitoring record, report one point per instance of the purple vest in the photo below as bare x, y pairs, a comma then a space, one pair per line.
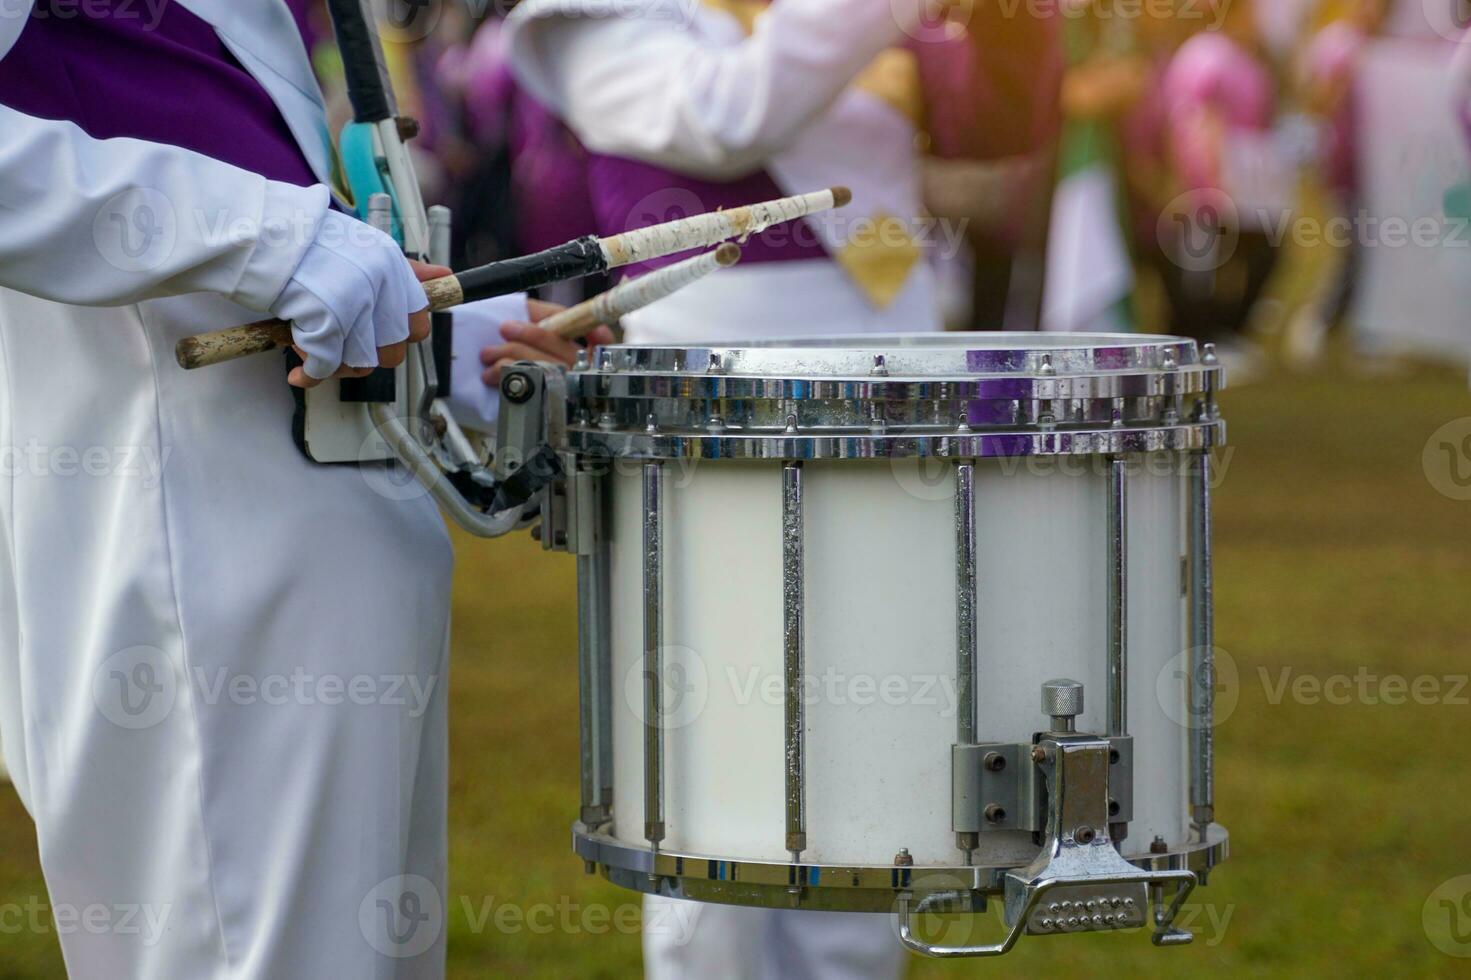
628, 194
113, 71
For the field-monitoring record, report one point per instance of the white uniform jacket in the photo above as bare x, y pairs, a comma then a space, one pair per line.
222, 668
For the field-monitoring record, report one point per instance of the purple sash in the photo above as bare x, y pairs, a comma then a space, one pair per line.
628, 194
111, 68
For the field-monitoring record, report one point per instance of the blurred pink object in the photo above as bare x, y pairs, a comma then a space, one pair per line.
1333, 52
1331, 62
1213, 79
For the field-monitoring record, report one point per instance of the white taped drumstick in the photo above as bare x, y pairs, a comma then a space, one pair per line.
704, 230
634, 295
582, 257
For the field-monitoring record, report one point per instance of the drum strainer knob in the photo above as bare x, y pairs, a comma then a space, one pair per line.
1062, 700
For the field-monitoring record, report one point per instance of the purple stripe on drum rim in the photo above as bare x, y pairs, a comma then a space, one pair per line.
989, 413
1006, 445
1011, 360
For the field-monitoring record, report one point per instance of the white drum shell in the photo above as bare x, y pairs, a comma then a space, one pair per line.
880, 647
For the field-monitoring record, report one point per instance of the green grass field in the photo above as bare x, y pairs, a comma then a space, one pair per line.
1335, 554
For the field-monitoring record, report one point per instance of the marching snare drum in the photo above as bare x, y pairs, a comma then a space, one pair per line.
897, 623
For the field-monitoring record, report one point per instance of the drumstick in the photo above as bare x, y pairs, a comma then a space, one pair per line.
634, 295
583, 257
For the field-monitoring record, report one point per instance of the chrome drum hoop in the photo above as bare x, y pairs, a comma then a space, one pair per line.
895, 445
942, 395
835, 888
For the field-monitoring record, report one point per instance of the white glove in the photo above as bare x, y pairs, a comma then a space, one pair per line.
351, 294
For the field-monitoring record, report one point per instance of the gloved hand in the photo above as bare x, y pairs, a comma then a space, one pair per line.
354, 302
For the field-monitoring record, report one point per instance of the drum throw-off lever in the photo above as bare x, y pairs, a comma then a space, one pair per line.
529, 426
1078, 882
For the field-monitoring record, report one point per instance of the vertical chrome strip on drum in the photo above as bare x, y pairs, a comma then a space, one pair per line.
966, 679
594, 652
653, 563
793, 599
589, 689
603, 560
1118, 593
1201, 690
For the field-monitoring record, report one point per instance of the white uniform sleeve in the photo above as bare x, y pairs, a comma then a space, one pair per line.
110, 222
647, 87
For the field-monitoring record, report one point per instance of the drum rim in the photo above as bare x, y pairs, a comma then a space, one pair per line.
1045, 342
955, 355
832, 887
1006, 444
972, 395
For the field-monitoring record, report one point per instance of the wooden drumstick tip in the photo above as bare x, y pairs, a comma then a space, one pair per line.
189, 353
728, 255
842, 197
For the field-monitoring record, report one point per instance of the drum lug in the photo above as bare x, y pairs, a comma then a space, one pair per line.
997, 786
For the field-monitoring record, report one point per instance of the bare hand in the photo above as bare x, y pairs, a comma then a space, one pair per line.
526, 342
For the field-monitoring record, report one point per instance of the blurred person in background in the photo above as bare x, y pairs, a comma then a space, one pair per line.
531, 190
1143, 133
1326, 74
1220, 106
685, 110
992, 113
1090, 277
688, 109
